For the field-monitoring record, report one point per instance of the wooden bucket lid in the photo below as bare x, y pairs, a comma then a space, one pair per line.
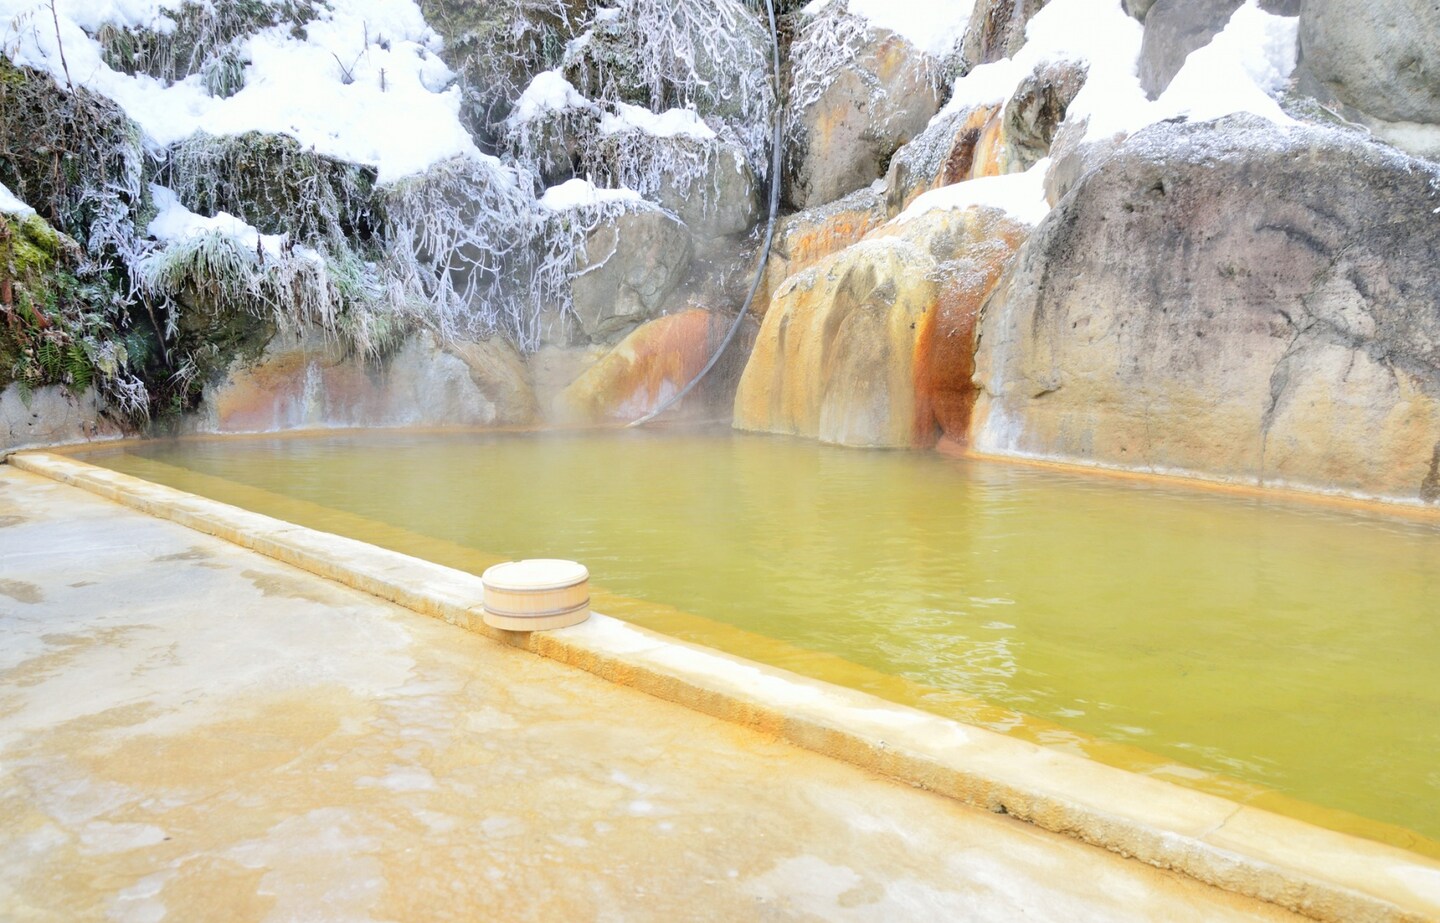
535, 574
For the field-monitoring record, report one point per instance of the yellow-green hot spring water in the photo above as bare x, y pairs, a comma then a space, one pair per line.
1278, 652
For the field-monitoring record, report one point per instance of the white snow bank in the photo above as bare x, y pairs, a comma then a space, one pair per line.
933, 26
672, 123
364, 85
548, 92
1250, 59
578, 192
10, 204
174, 222
1021, 195
1238, 71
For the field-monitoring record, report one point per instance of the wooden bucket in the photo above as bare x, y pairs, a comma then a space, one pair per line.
536, 594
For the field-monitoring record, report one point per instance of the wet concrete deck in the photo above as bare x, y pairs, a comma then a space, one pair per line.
191, 731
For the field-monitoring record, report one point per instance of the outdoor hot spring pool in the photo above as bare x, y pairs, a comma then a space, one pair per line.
1275, 651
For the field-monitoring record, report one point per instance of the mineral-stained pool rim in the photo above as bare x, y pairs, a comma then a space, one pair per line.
1385, 795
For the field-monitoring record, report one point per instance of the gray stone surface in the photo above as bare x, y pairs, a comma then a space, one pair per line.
309, 382
1037, 109
191, 731
1072, 155
1232, 299
1380, 61
628, 268
51, 415
854, 113
997, 29
1138, 8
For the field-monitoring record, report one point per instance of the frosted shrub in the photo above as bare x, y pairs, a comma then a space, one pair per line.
650, 165
497, 46
460, 244
712, 56
549, 127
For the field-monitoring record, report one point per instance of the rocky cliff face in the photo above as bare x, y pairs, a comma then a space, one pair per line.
1233, 299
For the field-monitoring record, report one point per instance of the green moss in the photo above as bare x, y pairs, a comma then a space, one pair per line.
59, 323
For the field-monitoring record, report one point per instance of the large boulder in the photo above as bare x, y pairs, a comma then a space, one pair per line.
706, 182
805, 238
997, 30
627, 268
1231, 299
957, 145
971, 249
1380, 61
307, 382
852, 349
858, 93
644, 370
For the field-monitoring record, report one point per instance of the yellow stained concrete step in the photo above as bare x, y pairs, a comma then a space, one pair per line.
1316, 872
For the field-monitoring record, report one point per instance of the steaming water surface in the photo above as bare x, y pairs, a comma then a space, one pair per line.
1281, 644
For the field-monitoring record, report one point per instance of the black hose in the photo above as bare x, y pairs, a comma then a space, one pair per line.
764, 249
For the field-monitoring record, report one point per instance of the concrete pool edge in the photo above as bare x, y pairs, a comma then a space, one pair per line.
1317, 872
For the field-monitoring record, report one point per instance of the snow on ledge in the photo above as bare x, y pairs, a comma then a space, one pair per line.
672, 123
548, 92
933, 26
175, 222
11, 204
577, 193
364, 84
1020, 195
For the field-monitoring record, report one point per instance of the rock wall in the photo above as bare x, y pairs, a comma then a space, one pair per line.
1231, 299
870, 346
305, 382
51, 415
1379, 62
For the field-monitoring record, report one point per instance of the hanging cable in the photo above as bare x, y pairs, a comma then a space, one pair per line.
765, 247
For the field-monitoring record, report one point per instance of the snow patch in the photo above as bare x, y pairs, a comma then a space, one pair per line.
672, 123
174, 221
364, 83
1238, 71
1249, 60
548, 92
1021, 195
577, 193
10, 204
933, 26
